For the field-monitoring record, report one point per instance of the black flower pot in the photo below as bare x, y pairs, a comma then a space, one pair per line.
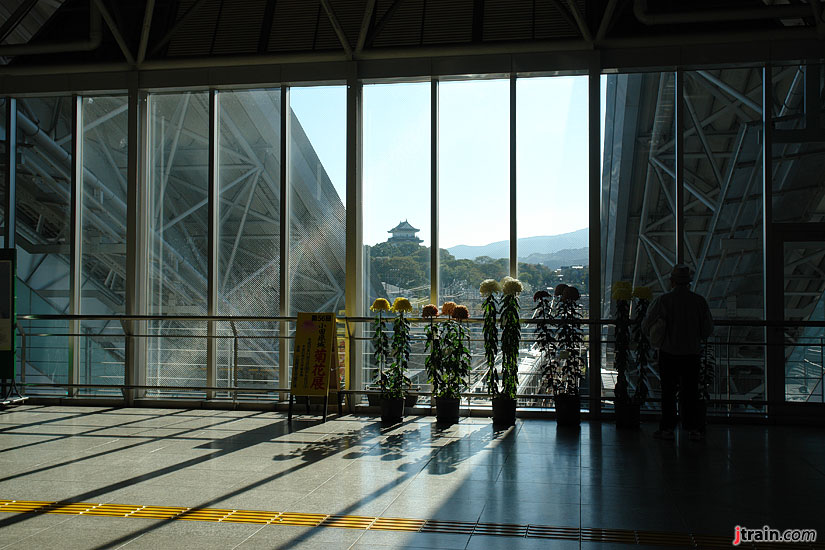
568, 410
374, 399
627, 415
410, 401
504, 411
446, 410
392, 409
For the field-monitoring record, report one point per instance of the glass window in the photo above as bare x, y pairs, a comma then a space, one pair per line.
397, 202
474, 185
317, 182
317, 205
249, 254
103, 236
803, 301
3, 186
797, 157
552, 195
474, 198
723, 218
178, 236
638, 191
43, 233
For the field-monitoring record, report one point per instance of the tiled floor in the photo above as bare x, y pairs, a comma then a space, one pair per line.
533, 474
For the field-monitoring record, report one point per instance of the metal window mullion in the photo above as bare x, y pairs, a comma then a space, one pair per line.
679, 101
283, 274
212, 247
9, 199
595, 242
435, 259
75, 246
137, 241
513, 192
773, 257
355, 225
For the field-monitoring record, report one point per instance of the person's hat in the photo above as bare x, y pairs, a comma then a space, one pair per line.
680, 274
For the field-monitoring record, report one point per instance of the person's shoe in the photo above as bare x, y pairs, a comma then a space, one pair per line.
664, 434
696, 435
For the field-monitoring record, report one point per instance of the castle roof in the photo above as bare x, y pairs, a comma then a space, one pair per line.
403, 226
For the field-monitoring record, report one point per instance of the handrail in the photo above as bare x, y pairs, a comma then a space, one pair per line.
235, 389
359, 319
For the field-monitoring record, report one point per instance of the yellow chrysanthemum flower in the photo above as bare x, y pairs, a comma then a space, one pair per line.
511, 286
380, 304
643, 293
621, 290
489, 286
402, 305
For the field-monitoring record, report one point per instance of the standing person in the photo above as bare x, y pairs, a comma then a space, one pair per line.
682, 320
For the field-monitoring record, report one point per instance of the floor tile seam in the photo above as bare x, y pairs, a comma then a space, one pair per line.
16, 543
261, 528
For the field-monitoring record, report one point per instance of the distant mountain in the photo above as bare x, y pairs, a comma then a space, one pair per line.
526, 246
555, 260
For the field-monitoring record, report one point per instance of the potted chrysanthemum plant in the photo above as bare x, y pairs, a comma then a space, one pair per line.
568, 366
432, 347
380, 346
394, 379
626, 407
454, 365
640, 344
489, 307
503, 390
543, 313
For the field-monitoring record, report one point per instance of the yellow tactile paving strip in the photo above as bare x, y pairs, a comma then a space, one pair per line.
613, 536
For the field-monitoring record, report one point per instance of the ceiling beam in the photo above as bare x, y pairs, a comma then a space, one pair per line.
144, 33
110, 22
369, 11
336, 25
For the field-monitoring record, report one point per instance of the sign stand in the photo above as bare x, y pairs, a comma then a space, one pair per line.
315, 365
9, 393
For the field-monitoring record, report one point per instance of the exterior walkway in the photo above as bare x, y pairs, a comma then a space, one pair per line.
204, 479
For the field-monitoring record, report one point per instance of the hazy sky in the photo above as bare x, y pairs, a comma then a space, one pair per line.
474, 169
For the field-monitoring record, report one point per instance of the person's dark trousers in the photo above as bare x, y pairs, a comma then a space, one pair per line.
679, 372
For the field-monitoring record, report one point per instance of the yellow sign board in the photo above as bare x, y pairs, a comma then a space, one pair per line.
315, 361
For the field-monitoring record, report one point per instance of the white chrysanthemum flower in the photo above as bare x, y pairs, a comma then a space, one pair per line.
511, 286
489, 286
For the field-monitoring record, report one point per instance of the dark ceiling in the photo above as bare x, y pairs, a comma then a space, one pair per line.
183, 29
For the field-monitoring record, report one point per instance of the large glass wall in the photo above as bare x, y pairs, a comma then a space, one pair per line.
43, 232
103, 237
722, 138
178, 236
249, 249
